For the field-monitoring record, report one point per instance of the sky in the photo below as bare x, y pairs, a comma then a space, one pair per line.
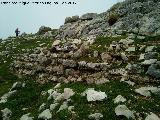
29, 18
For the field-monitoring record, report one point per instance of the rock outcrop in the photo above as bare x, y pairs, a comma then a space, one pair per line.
129, 16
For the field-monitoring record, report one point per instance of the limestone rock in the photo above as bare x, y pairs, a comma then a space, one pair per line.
53, 106
152, 116
42, 107
149, 48
16, 85
63, 106
119, 99
7, 95
106, 57
56, 42
146, 91
46, 114
149, 62
131, 49
96, 116
68, 93
6, 114
123, 110
154, 71
26, 117
93, 95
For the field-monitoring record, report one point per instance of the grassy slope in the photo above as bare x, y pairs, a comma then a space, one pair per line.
29, 97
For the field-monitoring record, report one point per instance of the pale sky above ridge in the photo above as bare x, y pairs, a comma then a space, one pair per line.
30, 17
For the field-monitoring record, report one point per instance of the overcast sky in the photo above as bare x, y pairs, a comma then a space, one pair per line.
30, 17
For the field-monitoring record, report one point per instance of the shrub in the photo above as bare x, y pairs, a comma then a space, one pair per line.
43, 30
112, 19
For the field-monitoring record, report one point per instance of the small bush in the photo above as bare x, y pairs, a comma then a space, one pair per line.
112, 19
43, 30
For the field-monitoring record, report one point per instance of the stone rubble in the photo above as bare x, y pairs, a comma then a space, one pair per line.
96, 116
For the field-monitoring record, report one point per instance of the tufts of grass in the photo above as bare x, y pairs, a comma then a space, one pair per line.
101, 42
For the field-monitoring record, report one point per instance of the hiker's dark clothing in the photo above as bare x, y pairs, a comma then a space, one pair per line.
17, 32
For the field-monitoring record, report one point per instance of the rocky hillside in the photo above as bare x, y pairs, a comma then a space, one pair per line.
137, 16
98, 66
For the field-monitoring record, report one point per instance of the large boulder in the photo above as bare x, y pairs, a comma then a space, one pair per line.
122, 110
93, 95
88, 16
71, 19
154, 71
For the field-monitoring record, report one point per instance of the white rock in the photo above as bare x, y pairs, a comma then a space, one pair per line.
46, 114
152, 116
123, 110
6, 114
76, 41
130, 83
57, 86
6, 96
55, 95
101, 81
126, 41
16, 85
149, 48
50, 91
56, 42
119, 99
93, 95
68, 93
149, 62
42, 107
146, 91
53, 106
26, 117
124, 57
141, 57
70, 108
63, 106
131, 49
95, 116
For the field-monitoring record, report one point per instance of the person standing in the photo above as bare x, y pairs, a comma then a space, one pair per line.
17, 32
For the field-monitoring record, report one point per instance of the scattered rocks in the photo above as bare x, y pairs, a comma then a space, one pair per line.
119, 99
106, 57
154, 71
124, 111
7, 95
146, 91
16, 85
42, 107
152, 116
68, 93
96, 116
93, 95
149, 48
6, 114
149, 62
56, 42
53, 106
46, 114
63, 106
131, 49
26, 117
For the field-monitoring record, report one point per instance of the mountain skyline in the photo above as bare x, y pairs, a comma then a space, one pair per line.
28, 18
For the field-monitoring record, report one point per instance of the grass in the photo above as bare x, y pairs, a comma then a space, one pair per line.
30, 97
101, 43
